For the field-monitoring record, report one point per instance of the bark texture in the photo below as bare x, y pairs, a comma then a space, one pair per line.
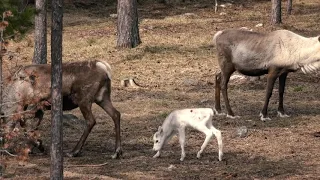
56, 170
289, 7
128, 28
40, 33
276, 12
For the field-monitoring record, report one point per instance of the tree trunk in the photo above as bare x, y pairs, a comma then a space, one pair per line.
1, 55
40, 33
289, 7
1, 83
276, 12
128, 29
56, 170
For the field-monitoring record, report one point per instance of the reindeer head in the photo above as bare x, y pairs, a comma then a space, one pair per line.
158, 139
17, 93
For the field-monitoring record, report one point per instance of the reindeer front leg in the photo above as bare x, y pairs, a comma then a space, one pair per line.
87, 114
271, 78
182, 139
157, 154
208, 134
282, 84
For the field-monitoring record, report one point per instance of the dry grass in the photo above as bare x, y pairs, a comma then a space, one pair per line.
175, 64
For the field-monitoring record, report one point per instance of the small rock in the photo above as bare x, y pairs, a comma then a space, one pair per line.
189, 14
204, 100
246, 28
242, 131
129, 82
190, 82
254, 78
225, 5
171, 167
222, 14
114, 15
237, 77
259, 25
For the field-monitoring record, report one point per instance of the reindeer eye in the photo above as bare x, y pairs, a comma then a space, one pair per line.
157, 141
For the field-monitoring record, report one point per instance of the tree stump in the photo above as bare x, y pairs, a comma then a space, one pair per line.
129, 82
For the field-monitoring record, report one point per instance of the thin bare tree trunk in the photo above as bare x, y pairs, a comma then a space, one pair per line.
40, 33
1, 83
1, 55
289, 7
128, 29
56, 170
276, 12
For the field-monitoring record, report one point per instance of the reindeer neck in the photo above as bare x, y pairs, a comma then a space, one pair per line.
308, 51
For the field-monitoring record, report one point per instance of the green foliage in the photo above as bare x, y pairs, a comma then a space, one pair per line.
298, 89
20, 22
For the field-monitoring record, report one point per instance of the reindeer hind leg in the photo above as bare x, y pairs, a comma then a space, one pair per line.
226, 71
107, 106
202, 127
217, 105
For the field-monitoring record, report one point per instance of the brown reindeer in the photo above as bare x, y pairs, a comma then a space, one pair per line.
254, 54
83, 83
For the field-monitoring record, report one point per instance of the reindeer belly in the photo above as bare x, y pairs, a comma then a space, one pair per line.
250, 66
68, 103
253, 72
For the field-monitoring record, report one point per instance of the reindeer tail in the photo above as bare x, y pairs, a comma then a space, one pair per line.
105, 66
214, 39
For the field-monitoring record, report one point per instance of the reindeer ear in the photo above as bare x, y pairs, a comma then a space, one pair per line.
32, 79
160, 129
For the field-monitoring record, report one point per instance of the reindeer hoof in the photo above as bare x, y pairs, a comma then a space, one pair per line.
41, 149
157, 155
219, 113
198, 155
282, 115
72, 154
181, 159
265, 118
117, 155
220, 156
69, 155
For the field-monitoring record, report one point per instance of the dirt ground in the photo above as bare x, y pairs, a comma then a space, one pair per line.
175, 65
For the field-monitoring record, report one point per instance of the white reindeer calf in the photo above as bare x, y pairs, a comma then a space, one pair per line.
178, 120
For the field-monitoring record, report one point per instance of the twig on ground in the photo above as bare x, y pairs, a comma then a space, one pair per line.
88, 165
5, 151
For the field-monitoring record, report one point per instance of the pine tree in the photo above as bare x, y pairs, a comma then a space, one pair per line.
21, 21
128, 24
14, 23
